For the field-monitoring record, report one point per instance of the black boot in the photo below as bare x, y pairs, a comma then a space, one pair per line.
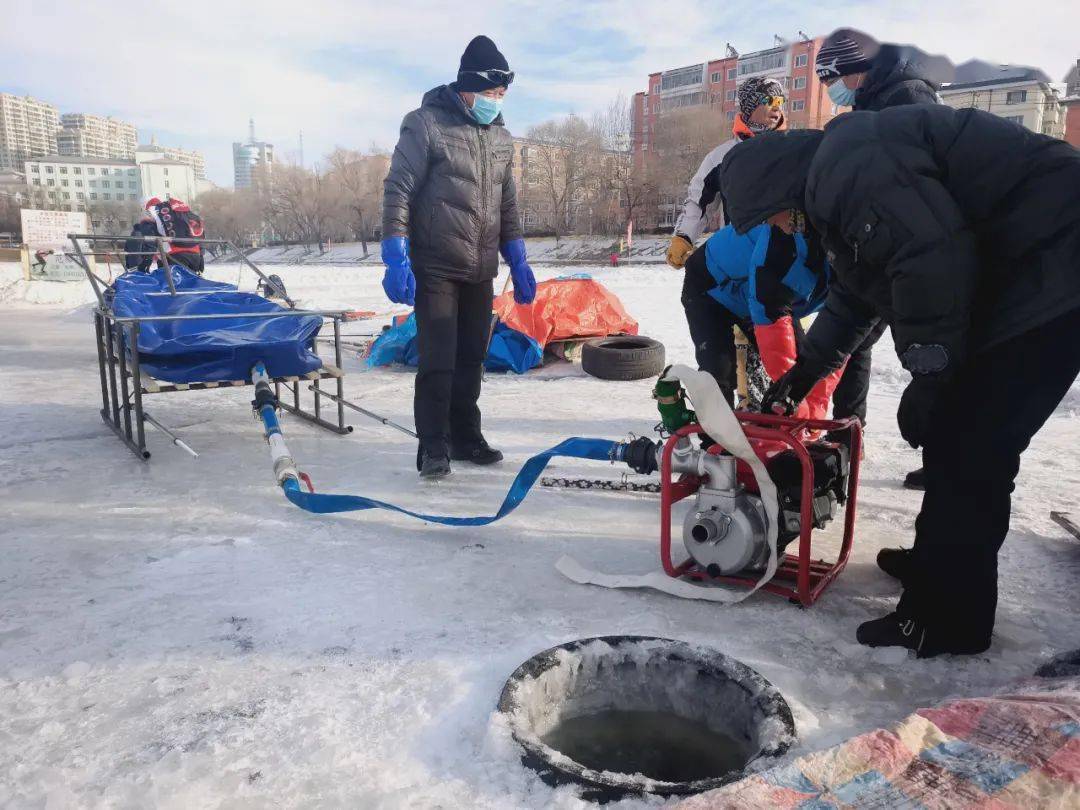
434, 466
478, 452
916, 479
896, 562
895, 630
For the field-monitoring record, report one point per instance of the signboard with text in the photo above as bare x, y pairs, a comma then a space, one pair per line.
45, 234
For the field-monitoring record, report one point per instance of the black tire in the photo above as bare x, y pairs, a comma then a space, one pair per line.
625, 357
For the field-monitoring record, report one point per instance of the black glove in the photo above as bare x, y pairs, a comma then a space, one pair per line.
784, 395
916, 413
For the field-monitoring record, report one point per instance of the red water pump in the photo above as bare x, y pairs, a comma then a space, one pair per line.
725, 532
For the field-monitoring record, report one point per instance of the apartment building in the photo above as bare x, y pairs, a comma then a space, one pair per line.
27, 130
96, 136
713, 86
155, 151
111, 190
1020, 94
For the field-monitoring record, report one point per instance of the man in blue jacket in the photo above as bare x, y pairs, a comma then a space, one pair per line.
449, 209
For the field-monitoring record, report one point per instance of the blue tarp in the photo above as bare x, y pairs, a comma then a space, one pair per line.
510, 350
211, 350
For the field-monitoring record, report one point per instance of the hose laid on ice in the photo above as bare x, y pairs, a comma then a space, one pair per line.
320, 503
288, 477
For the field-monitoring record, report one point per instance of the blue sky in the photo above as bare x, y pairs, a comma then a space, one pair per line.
192, 73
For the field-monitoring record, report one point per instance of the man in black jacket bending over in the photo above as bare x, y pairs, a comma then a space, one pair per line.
962, 231
449, 208
864, 74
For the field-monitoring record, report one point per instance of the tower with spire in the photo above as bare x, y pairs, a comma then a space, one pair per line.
252, 160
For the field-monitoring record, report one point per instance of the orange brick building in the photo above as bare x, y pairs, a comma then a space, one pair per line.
712, 85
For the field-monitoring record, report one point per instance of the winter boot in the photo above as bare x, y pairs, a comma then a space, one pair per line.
896, 562
895, 630
479, 452
916, 479
434, 465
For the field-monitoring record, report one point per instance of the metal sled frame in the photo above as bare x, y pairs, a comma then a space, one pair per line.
123, 383
810, 577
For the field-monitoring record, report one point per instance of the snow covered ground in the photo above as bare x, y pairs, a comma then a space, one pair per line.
176, 634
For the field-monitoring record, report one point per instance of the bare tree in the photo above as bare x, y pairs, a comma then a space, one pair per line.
681, 139
302, 205
359, 179
631, 182
562, 163
233, 215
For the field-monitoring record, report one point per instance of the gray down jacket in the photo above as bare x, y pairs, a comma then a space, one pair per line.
451, 190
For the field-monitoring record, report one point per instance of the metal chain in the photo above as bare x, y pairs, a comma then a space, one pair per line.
606, 484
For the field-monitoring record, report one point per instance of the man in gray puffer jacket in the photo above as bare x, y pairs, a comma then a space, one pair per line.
449, 208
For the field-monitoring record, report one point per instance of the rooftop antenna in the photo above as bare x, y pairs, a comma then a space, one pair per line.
731, 52
805, 38
777, 40
301, 147
251, 130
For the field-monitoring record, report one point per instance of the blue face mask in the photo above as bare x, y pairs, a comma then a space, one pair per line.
486, 109
841, 94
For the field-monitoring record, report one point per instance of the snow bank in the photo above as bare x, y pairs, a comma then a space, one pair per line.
570, 249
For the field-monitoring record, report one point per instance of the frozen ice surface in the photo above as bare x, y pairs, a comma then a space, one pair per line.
176, 634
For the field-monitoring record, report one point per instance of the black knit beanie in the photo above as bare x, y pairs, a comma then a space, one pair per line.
845, 51
480, 55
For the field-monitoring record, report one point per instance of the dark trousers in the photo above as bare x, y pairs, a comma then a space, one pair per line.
711, 325
849, 398
192, 261
452, 324
983, 422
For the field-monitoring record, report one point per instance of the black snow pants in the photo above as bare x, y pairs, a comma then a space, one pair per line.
711, 325
982, 423
452, 323
192, 261
849, 398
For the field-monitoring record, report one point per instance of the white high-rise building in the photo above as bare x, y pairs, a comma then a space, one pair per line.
96, 136
251, 157
27, 130
155, 151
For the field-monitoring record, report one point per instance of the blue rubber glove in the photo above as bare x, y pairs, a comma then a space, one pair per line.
398, 282
520, 272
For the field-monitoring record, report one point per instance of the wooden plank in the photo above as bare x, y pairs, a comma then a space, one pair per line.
332, 371
150, 385
313, 375
182, 387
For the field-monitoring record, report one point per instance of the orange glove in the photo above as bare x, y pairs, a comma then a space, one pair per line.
679, 251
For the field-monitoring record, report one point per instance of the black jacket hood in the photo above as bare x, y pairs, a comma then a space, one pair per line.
897, 65
446, 96
766, 174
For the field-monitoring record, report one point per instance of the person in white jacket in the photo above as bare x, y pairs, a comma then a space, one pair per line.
760, 110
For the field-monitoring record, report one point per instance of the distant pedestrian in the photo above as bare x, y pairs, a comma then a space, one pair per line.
41, 258
174, 220
449, 209
614, 258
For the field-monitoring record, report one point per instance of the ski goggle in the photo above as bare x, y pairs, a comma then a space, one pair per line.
502, 78
773, 101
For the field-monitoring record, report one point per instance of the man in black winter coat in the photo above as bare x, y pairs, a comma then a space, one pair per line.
864, 74
962, 231
449, 209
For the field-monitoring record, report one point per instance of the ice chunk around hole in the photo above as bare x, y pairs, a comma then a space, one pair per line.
636, 714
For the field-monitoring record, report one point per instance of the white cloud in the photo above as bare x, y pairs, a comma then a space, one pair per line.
200, 69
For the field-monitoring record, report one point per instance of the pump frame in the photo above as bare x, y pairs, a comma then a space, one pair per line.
810, 577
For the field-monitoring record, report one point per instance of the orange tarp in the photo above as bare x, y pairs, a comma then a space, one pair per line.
564, 309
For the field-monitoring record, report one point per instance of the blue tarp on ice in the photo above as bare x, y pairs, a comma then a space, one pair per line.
510, 350
217, 349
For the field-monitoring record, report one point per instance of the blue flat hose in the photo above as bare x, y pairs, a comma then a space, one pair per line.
320, 503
